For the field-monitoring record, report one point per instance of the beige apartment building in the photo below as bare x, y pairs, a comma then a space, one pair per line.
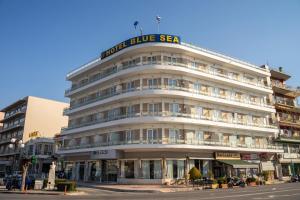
26, 119
288, 119
148, 112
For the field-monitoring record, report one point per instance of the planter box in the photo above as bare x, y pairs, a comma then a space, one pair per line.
224, 186
214, 186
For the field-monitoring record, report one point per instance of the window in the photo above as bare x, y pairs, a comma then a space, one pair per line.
129, 168
172, 83
174, 108
207, 113
175, 169
173, 135
197, 87
153, 108
30, 150
133, 136
153, 83
151, 169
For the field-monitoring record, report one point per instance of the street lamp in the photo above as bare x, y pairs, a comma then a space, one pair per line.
15, 143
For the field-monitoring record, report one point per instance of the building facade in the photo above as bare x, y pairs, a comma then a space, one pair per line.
151, 111
43, 150
288, 118
25, 119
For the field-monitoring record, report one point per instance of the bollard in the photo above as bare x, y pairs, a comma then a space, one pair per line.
65, 190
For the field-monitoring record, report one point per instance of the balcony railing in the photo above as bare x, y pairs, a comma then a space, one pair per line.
167, 114
174, 141
175, 88
284, 86
291, 137
289, 120
11, 114
12, 127
207, 71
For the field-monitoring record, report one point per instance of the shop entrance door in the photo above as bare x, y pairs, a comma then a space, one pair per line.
109, 171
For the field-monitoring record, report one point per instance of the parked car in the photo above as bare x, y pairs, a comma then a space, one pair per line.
13, 182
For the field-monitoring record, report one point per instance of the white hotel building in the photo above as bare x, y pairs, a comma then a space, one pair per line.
150, 112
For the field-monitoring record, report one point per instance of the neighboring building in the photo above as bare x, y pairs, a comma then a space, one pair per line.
1, 117
25, 119
148, 113
288, 117
43, 149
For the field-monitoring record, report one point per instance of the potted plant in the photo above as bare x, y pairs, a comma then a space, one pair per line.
194, 174
223, 182
251, 181
214, 184
210, 175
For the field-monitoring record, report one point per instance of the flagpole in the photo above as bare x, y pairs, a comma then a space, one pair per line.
158, 18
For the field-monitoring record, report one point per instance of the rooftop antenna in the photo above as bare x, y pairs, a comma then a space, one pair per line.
158, 19
141, 30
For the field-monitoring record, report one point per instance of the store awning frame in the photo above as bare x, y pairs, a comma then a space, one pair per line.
240, 164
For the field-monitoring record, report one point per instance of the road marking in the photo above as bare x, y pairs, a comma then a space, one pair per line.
280, 195
243, 195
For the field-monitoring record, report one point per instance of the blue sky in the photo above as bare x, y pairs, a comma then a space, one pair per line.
41, 41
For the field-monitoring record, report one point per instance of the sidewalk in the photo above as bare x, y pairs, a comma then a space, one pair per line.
138, 188
38, 192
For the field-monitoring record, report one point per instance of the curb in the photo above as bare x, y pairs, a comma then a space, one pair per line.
31, 193
120, 190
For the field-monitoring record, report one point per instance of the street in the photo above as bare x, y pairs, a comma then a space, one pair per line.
278, 191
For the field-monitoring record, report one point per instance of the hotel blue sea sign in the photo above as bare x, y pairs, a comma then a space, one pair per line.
164, 38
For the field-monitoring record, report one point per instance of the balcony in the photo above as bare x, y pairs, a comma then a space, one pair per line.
12, 127
13, 114
198, 94
289, 122
180, 116
288, 138
286, 90
165, 142
186, 66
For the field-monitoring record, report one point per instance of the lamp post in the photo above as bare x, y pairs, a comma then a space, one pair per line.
15, 143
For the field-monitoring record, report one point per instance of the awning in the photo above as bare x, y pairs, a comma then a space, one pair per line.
239, 164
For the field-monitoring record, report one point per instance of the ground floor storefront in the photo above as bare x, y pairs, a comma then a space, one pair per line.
156, 166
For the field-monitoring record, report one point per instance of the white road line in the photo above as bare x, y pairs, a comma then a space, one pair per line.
258, 193
277, 196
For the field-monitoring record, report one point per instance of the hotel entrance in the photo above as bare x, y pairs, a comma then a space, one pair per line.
109, 171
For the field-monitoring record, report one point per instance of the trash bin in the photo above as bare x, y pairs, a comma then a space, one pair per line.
38, 184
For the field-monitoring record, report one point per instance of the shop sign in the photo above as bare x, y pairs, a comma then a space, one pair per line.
250, 156
162, 38
267, 166
34, 134
105, 154
227, 156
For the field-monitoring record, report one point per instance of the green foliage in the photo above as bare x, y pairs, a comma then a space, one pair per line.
70, 186
210, 174
56, 182
265, 175
194, 174
222, 180
250, 180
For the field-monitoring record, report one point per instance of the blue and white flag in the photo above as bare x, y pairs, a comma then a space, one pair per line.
135, 24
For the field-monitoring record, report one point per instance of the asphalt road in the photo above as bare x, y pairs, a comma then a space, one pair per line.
288, 191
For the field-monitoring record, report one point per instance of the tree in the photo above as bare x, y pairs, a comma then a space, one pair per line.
25, 164
194, 174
